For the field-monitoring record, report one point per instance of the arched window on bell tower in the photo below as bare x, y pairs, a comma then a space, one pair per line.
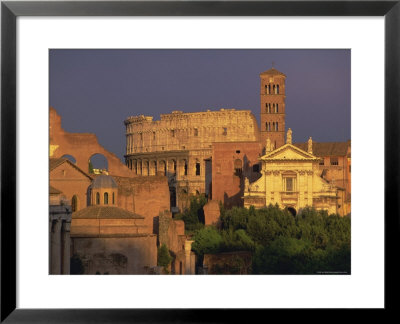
276, 109
277, 89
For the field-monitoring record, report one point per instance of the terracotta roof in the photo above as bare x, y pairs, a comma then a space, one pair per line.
272, 71
55, 162
326, 149
104, 181
54, 191
104, 212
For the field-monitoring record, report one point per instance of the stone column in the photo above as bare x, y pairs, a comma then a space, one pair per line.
188, 248
268, 187
66, 247
56, 247
310, 187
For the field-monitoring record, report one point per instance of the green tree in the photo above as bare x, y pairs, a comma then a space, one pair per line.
90, 167
285, 255
207, 240
194, 215
163, 257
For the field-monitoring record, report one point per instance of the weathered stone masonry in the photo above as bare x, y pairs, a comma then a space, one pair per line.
179, 144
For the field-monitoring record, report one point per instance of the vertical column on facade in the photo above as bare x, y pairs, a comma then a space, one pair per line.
56, 247
268, 187
309, 187
277, 185
188, 263
66, 226
167, 142
300, 189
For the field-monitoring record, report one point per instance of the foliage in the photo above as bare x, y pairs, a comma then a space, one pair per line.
237, 240
310, 242
207, 240
163, 257
90, 167
194, 215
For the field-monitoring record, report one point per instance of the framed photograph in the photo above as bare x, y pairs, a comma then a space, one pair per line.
213, 139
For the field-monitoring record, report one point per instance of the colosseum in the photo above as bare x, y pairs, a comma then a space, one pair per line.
179, 145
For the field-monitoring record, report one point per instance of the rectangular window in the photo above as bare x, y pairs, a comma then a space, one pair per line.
196, 132
334, 161
225, 131
322, 162
197, 168
289, 184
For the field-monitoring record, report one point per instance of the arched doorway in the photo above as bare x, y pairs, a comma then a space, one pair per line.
292, 210
74, 203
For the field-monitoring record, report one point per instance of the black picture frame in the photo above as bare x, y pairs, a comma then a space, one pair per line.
10, 10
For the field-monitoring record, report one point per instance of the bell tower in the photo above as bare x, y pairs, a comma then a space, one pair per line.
272, 99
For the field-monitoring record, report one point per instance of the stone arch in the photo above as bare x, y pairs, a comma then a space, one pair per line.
97, 163
74, 203
146, 168
69, 157
163, 167
238, 167
81, 146
197, 168
292, 210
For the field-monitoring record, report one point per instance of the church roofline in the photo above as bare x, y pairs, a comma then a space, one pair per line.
272, 71
270, 155
55, 162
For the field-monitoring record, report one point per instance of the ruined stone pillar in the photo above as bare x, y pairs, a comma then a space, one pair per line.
188, 249
55, 248
66, 247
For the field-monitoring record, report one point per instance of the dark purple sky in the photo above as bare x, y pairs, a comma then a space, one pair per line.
95, 90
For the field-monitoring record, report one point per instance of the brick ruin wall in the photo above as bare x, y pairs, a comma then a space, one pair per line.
82, 146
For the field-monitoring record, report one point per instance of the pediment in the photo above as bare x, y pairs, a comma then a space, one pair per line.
289, 152
74, 172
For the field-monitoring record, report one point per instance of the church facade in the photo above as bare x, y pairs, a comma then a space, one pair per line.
291, 179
